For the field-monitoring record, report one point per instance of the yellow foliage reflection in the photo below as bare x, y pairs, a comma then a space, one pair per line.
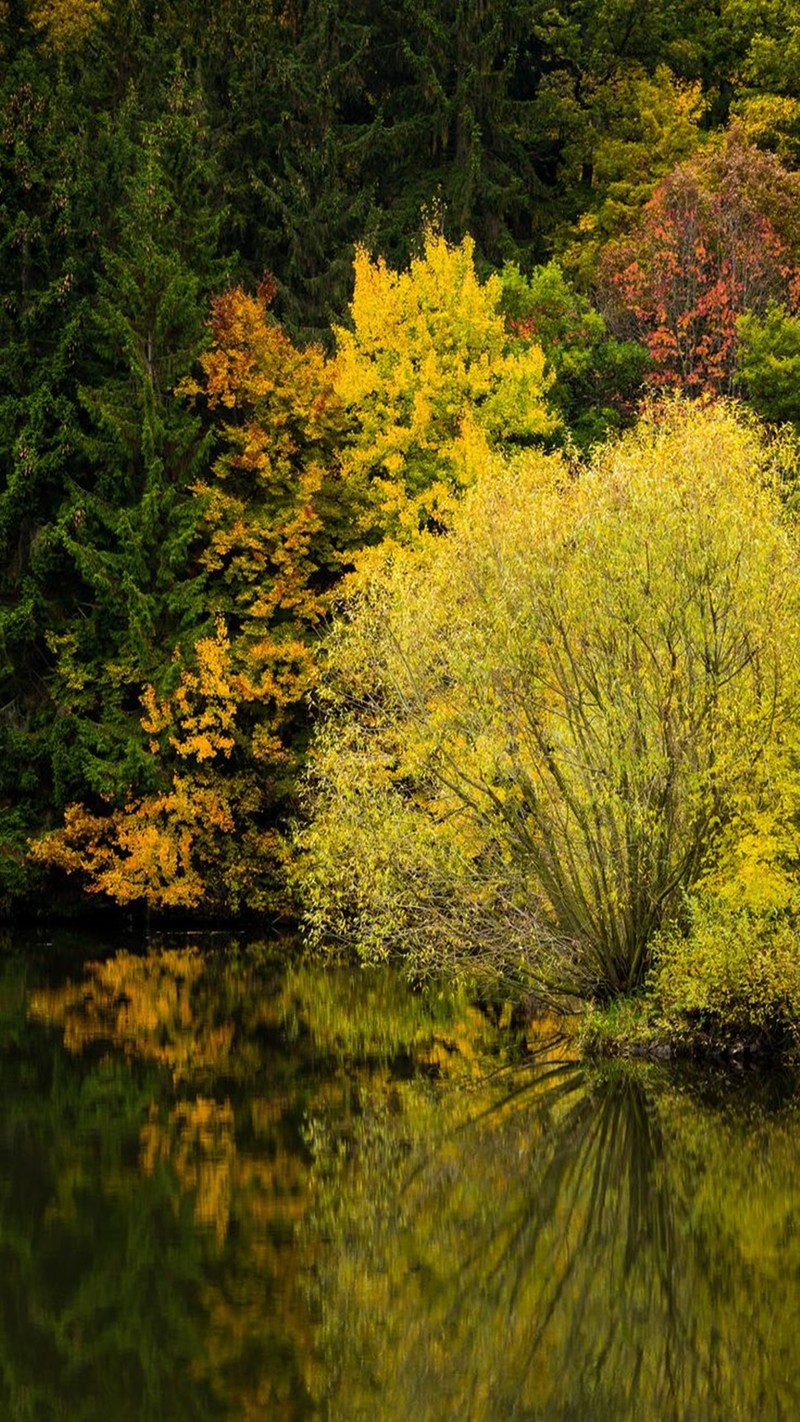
198, 1142
142, 1006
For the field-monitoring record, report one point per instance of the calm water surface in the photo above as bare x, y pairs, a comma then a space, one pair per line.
236, 1189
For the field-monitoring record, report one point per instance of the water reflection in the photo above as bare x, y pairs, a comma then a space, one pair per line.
599, 1247
232, 1189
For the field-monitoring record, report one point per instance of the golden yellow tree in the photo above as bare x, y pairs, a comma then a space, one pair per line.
432, 381
539, 723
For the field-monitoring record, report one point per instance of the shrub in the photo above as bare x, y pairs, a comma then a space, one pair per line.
734, 974
536, 726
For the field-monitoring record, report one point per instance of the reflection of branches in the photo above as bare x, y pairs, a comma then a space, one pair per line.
552, 1243
598, 1175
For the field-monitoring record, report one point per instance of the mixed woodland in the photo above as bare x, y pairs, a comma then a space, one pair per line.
399, 482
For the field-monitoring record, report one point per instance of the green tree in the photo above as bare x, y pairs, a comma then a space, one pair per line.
49, 221
222, 729
768, 363
598, 380
128, 521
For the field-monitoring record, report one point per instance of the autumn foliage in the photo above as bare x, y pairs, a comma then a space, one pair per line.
409, 477
432, 381
320, 460
538, 726
719, 237
273, 521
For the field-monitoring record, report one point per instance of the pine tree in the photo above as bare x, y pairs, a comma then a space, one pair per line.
48, 228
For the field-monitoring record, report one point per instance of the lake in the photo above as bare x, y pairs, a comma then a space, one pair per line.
237, 1186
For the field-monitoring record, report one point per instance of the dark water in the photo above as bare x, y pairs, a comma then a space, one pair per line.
235, 1189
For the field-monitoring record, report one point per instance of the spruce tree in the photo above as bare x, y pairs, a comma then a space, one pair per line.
128, 522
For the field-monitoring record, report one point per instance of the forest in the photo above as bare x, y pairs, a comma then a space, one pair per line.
399, 472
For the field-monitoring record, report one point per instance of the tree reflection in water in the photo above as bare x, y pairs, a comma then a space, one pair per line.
608, 1246
229, 1190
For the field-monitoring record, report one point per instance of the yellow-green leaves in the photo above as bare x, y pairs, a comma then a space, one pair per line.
553, 710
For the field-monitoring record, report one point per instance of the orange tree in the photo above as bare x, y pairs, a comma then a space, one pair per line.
226, 733
719, 237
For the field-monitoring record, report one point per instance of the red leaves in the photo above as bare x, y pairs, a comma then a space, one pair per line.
717, 238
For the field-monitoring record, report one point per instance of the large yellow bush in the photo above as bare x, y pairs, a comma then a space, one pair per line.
539, 725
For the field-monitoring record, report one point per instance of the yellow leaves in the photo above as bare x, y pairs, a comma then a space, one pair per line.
771, 121
548, 709
429, 378
148, 859
74, 847
201, 713
757, 862
199, 1143
66, 24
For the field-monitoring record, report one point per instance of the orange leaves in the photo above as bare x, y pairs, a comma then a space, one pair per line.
276, 511
142, 852
273, 504
274, 524
199, 1142
200, 716
286, 393
148, 1006
317, 458
718, 238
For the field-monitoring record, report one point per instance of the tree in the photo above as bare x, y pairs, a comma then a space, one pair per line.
642, 126
66, 24
224, 729
49, 220
432, 380
537, 724
598, 380
768, 98
768, 363
720, 237
128, 523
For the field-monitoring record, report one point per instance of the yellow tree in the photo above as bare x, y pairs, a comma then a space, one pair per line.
539, 723
432, 381
66, 24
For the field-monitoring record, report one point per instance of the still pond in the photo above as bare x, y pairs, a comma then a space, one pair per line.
234, 1187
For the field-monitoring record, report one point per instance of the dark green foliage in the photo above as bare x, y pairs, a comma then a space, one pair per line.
47, 236
128, 520
108, 267
598, 379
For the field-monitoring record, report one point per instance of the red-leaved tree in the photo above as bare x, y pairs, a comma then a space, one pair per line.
719, 237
